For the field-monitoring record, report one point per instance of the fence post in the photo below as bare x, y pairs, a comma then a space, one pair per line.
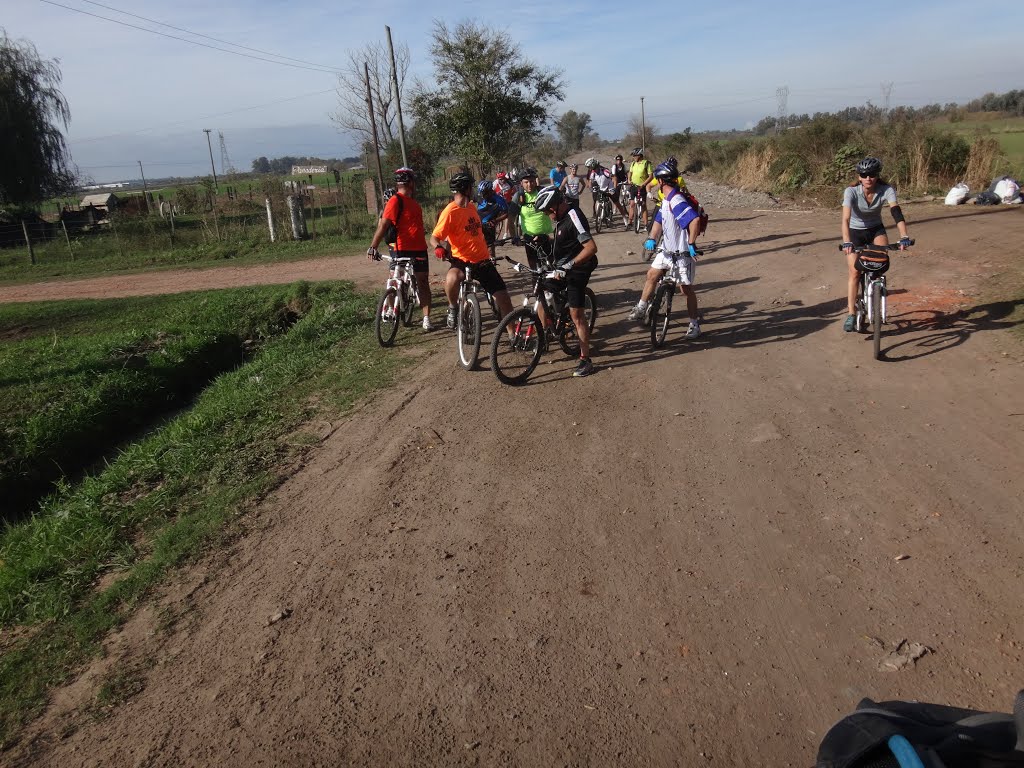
67, 239
298, 220
170, 215
270, 222
28, 242
312, 210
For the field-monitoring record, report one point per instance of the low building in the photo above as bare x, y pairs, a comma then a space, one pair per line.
105, 201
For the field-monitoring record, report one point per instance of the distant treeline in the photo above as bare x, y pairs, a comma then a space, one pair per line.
282, 166
1011, 102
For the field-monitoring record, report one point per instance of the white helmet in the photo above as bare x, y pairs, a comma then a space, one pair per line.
591, 163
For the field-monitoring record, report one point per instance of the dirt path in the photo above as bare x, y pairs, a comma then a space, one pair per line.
693, 557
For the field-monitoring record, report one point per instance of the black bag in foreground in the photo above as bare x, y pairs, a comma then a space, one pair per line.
906, 734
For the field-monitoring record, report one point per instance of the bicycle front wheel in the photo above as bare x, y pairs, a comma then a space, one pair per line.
876, 317
517, 346
385, 323
599, 218
408, 304
468, 331
661, 308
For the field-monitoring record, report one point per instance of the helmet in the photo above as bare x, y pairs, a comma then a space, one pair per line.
388, 194
618, 157
869, 166
591, 163
560, 163
548, 198
573, 166
461, 182
637, 151
499, 175
484, 187
667, 172
404, 175
528, 172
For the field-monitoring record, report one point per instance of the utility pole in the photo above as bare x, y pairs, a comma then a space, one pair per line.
216, 224
145, 190
643, 128
373, 124
398, 98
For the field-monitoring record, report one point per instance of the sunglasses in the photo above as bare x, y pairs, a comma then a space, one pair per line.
869, 175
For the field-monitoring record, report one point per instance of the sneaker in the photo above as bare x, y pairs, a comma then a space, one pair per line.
693, 331
427, 325
584, 368
636, 314
625, 222
449, 319
850, 323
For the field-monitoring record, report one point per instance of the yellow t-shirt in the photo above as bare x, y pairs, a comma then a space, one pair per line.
639, 171
462, 229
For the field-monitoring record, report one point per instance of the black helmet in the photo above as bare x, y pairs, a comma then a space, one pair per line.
667, 172
618, 157
528, 172
461, 182
404, 175
548, 198
869, 166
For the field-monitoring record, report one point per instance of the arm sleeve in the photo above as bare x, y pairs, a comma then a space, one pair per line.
682, 211
849, 194
441, 226
890, 196
391, 210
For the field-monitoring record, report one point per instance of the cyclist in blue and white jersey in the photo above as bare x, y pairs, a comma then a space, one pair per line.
679, 223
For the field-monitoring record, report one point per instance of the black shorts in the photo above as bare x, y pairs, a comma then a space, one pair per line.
860, 237
485, 273
420, 264
639, 192
576, 283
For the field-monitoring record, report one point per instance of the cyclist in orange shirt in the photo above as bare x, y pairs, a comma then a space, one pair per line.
459, 225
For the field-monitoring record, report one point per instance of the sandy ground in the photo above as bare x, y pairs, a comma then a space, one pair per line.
697, 556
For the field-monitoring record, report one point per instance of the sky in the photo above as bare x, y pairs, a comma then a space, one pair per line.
138, 96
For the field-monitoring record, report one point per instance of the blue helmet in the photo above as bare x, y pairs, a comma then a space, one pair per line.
483, 187
667, 172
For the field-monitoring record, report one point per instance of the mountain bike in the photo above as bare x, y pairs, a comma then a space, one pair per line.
521, 337
660, 308
638, 213
397, 301
467, 319
869, 310
603, 218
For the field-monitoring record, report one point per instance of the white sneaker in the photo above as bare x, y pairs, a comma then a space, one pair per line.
427, 325
449, 319
693, 331
636, 313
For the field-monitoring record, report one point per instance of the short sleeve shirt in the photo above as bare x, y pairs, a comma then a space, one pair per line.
532, 221
675, 215
411, 232
462, 229
603, 178
556, 176
570, 235
864, 215
639, 171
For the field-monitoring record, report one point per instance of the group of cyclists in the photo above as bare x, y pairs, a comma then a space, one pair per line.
548, 220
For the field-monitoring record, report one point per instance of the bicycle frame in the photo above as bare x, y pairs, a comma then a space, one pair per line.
867, 283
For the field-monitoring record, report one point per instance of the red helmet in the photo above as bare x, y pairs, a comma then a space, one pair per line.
500, 175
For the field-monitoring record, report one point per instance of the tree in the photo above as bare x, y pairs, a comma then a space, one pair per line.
261, 165
352, 116
34, 159
489, 102
642, 134
572, 127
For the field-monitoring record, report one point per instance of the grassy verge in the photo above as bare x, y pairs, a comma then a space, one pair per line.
170, 496
78, 378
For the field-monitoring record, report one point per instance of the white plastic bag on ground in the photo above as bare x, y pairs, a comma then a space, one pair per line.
957, 194
1008, 191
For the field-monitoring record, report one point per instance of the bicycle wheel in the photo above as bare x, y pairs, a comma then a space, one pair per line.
876, 317
599, 218
517, 346
468, 331
385, 322
661, 308
567, 339
408, 304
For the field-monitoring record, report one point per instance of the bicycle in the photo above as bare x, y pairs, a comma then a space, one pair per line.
660, 308
397, 301
638, 213
869, 310
603, 214
521, 338
467, 319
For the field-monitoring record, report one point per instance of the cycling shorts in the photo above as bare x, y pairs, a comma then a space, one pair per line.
484, 272
867, 236
685, 263
576, 281
420, 263
639, 192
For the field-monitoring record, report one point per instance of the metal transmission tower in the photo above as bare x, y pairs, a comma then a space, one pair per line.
886, 99
226, 168
782, 94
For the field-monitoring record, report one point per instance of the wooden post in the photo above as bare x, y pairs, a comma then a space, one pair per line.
270, 222
337, 207
170, 215
312, 210
28, 243
67, 239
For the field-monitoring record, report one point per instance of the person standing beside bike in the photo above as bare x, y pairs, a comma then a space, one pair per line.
557, 174
459, 225
862, 224
639, 176
534, 226
603, 183
677, 220
402, 211
575, 257
618, 171
573, 184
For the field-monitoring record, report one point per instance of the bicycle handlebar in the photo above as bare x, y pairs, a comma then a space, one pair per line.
889, 246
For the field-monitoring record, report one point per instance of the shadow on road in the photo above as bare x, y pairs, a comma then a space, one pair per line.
941, 331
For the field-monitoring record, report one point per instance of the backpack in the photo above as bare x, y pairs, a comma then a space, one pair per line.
904, 734
704, 218
391, 230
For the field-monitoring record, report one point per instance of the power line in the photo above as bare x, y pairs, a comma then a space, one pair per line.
315, 68
207, 37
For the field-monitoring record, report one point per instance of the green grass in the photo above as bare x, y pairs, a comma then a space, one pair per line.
1008, 131
170, 496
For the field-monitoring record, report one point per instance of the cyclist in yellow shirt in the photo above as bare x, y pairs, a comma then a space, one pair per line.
640, 175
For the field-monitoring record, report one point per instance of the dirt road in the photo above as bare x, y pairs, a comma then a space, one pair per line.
698, 556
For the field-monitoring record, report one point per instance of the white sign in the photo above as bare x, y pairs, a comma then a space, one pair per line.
303, 170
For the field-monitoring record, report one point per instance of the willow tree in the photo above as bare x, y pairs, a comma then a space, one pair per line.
488, 102
34, 160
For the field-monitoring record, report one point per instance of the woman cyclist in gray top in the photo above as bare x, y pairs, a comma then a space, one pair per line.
862, 223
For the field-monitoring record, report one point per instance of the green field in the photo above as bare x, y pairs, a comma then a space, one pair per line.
1008, 131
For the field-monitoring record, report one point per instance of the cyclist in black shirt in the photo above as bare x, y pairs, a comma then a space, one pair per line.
574, 254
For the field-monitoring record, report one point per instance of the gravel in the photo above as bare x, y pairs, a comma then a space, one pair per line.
712, 196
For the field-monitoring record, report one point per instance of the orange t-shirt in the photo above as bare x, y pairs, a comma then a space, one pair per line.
412, 235
461, 227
